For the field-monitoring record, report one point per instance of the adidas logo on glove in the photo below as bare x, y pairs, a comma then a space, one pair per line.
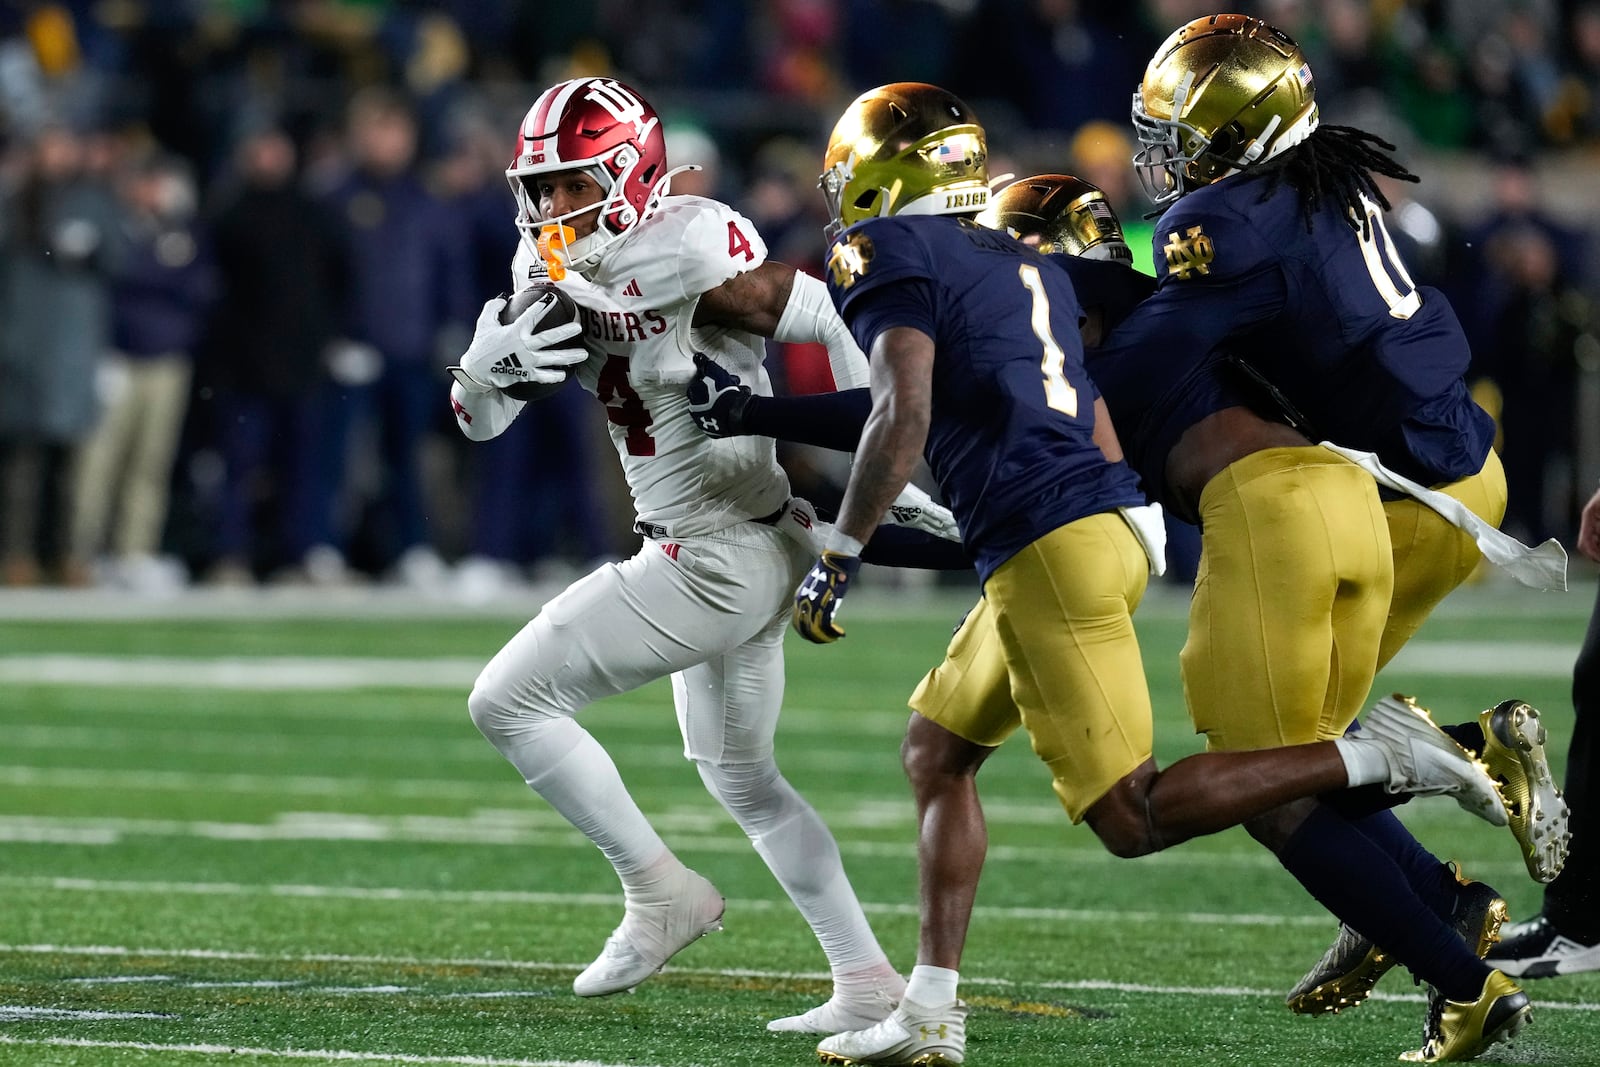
510, 365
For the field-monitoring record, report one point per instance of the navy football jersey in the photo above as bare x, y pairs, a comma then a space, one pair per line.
1155, 398
1115, 288
1329, 316
1011, 436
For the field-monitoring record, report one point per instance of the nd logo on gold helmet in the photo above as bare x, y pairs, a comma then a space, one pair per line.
1065, 214
1222, 93
904, 149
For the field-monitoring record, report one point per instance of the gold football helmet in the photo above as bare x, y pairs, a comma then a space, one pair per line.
1066, 214
1221, 94
904, 149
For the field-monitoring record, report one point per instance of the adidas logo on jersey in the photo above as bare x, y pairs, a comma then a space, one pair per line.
632, 288
510, 365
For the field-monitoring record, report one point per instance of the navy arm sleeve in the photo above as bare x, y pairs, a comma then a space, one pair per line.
902, 546
827, 420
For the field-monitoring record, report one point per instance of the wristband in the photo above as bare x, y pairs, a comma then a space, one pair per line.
841, 543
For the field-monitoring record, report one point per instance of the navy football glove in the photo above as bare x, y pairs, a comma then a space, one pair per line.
717, 399
817, 601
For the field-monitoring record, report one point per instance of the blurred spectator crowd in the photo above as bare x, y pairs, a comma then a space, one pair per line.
239, 242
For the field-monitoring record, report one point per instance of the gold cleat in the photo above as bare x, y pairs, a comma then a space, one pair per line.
1513, 750
1345, 975
1343, 978
1463, 1030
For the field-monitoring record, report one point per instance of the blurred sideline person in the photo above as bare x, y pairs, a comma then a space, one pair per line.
282, 282
1564, 938
1273, 254
705, 599
408, 286
60, 246
977, 364
160, 298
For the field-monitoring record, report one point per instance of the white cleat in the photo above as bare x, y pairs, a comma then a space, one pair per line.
914, 1036
1424, 761
856, 1011
651, 934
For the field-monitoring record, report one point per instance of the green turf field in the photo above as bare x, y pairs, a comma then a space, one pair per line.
269, 837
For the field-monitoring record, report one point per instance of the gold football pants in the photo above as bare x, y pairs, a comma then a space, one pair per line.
1051, 647
1432, 557
1290, 600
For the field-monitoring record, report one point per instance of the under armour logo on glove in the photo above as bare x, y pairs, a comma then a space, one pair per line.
717, 399
821, 594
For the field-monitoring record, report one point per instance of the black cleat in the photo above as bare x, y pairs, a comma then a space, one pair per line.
1536, 949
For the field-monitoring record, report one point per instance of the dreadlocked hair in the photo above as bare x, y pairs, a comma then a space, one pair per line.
1337, 162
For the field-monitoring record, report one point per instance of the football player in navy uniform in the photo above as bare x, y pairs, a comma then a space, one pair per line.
1274, 254
977, 364
1208, 428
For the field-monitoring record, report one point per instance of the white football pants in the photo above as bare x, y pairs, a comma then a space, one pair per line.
711, 612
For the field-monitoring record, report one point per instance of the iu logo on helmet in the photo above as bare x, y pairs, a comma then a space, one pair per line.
623, 105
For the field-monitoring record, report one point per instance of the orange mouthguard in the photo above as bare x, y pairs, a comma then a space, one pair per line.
552, 245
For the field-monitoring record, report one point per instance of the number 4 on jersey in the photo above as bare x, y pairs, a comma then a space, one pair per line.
739, 244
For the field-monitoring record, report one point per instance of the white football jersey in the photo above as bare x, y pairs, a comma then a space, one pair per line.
640, 364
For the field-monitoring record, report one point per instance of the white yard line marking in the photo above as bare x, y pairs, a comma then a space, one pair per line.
18, 1013
267, 673
170, 981
335, 673
1087, 985
608, 900
691, 831
345, 1055
98, 780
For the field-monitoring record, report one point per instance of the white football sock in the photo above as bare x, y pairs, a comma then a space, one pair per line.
932, 987
564, 764
1364, 762
797, 847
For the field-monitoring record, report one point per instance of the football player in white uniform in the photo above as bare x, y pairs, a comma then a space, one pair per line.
706, 600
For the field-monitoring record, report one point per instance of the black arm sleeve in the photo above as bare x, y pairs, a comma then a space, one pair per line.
902, 546
827, 420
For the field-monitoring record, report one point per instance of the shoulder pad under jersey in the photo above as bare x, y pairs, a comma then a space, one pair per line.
691, 245
1205, 238
876, 251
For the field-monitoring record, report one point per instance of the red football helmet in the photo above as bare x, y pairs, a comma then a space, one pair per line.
604, 128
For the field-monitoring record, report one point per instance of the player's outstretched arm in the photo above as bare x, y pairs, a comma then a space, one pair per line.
723, 406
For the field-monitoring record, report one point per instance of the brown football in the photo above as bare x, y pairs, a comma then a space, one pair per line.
558, 308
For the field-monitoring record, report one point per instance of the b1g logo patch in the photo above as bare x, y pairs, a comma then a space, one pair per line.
1189, 255
849, 258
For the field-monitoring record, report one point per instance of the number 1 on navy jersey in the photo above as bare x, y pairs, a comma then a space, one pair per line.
1058, 392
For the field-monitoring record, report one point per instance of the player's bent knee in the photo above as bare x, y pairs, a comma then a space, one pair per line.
1121, 819
491, 714
930, 753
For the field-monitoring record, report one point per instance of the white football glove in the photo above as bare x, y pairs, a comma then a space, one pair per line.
917, 509
501, 355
